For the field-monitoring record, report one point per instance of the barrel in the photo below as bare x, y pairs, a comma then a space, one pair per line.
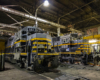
2, 61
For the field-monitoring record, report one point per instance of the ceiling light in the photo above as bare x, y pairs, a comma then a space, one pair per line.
46, 3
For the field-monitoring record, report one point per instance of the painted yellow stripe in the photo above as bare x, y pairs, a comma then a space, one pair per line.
45, 51
41, 43
9, 53
70, 53
88, 53
1, 53
88, 37
39, 53
23, 53
49, 43
76, 52
83, 48
34, 51
92, 37
71, 44
8, 47
85, 51
97, 36
20, 53
48, 53
20, 41
40, 39
36, 47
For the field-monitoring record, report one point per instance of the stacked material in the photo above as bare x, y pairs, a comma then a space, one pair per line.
2, 62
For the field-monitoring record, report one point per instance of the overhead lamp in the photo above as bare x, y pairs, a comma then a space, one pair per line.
46, 3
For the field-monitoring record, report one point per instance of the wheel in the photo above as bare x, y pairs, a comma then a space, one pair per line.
55, 63
37, 67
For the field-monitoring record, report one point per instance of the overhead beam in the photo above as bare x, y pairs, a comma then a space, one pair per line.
18, 13
8, 31
20, 22
92, 17
9, 26
89, 27
15, 12
78, 8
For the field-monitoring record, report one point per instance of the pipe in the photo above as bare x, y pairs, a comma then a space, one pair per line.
10, 26
15, 12
36, 21
7, 31
7, 25
19, 22
13, 19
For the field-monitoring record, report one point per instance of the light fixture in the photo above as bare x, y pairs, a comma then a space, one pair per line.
46, 3
92, 41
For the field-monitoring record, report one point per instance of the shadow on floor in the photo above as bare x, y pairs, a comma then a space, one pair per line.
6, 69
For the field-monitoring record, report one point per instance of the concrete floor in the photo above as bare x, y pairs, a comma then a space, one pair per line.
12, 73
67, 72
89, 72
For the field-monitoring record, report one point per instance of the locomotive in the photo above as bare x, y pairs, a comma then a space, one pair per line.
31, 48
70, 47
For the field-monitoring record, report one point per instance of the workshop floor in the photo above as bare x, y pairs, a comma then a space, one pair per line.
67, 72
89, 72
13, 73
